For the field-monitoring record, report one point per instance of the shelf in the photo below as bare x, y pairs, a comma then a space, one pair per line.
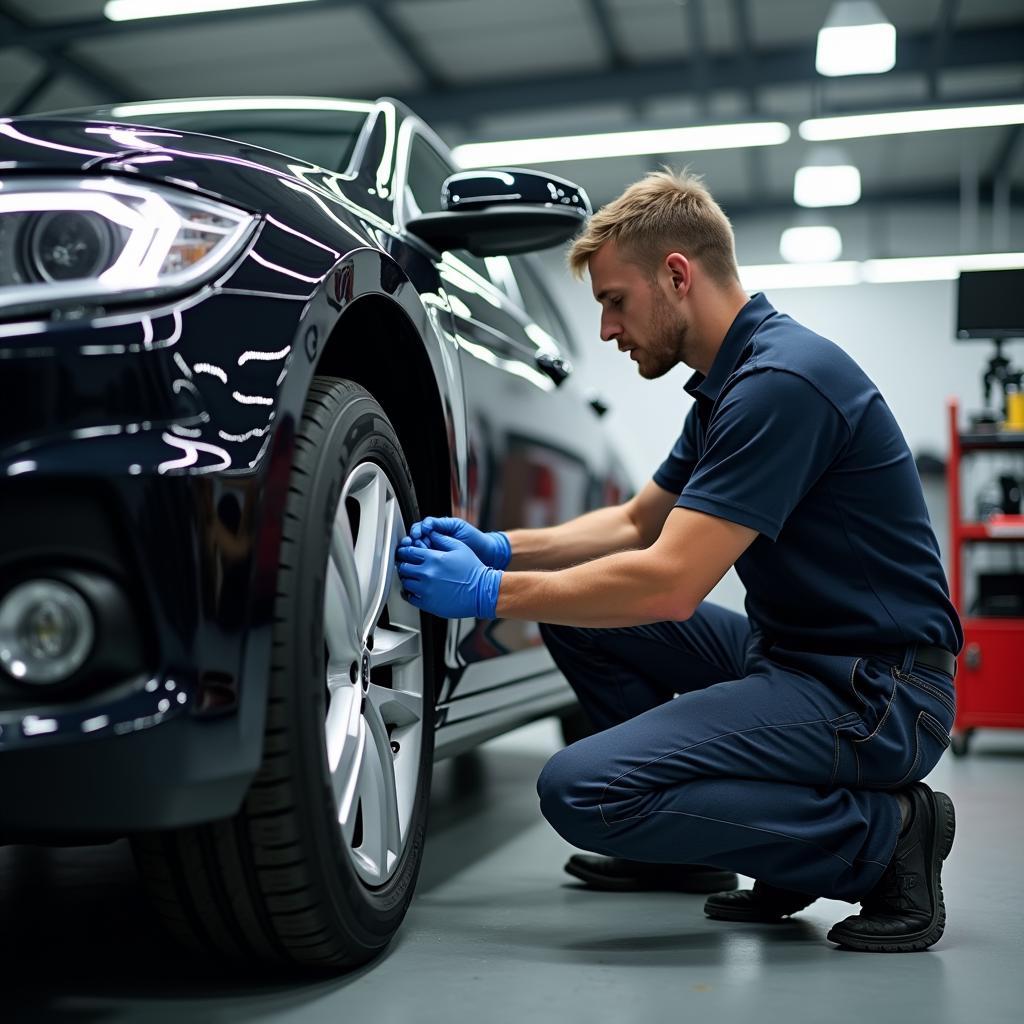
993, 624
996, 528
996, 441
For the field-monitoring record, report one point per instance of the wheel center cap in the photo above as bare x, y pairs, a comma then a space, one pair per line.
364, 669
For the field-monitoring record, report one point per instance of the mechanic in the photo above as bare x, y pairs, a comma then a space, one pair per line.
786, 744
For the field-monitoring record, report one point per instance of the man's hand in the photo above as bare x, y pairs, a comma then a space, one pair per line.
493, 549
447, 578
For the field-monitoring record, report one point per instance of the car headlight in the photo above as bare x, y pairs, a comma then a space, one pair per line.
100, 239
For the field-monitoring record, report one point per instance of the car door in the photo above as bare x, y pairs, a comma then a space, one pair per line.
534, 450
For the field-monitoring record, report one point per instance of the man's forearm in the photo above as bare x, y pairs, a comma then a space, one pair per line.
589, 536
624, 589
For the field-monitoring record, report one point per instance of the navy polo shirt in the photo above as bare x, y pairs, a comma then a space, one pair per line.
789, 436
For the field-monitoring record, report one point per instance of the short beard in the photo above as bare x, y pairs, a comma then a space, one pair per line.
667, 338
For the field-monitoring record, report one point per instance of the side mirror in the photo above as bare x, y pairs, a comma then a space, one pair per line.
503, 212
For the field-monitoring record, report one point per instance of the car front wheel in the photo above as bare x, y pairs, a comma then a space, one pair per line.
318, 867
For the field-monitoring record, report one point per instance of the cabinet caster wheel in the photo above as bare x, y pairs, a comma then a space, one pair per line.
960, 742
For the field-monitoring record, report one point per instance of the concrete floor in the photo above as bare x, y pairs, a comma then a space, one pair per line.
498, 933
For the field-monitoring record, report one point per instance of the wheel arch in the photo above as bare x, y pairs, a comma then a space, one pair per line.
378, 334
394, 369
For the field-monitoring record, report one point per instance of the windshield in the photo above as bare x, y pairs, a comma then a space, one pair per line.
321, 132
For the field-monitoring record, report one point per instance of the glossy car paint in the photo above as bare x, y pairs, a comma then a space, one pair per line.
168, 428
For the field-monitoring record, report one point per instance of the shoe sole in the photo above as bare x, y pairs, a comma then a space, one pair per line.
719, 882
943, 831
747, 916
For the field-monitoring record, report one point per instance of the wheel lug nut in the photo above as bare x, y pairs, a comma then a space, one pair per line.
394, 747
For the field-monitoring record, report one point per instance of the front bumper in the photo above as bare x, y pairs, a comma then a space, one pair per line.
125, 450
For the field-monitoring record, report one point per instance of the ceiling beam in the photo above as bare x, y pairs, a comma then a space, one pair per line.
780, 66
107, 86
943, 30
756, 173
602, 22
1003, 160
67, 32
406, 43
699, 79
31, 92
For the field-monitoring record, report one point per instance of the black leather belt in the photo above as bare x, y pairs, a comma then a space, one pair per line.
931, 657
925, 654
936, 657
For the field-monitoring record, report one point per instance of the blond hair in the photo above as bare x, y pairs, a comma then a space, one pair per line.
663, 212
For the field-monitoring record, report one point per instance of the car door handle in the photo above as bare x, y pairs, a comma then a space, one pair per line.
554, 366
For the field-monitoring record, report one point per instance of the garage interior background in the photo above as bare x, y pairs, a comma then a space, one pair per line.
483, 70
488, 71
496, 70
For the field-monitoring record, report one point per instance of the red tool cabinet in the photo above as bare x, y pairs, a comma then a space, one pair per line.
990, 673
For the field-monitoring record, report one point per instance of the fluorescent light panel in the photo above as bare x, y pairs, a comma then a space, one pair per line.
133, 10
856, 39
765, 276
826, 186
612, 144
236, 103
900, 122
820, 243
860, 50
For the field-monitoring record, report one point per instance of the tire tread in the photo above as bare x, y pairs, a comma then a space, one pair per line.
219, 888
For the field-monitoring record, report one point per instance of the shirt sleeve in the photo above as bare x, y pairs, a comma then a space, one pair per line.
770, 439
673, 473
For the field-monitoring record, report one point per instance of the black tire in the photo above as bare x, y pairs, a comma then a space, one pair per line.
576, 725
274, 885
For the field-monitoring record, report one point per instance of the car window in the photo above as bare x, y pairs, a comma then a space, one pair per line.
539, 304
427, 171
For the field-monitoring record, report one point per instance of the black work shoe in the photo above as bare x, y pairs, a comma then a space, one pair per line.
764, 904
904, 913
614, 874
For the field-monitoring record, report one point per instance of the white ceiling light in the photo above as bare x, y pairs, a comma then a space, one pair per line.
237, 103
765, 276
835, 185
819, 243
856, 39
900, 122
612, 144
132, 10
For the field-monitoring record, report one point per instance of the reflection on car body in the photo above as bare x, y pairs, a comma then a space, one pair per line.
198, 298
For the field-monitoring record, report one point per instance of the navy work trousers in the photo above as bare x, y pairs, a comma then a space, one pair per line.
715, 748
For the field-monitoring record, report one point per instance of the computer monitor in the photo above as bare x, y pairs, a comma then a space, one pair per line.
990, 304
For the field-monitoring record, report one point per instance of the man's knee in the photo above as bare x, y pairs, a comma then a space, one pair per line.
570, 796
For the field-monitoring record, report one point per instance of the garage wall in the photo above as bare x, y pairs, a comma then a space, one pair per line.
901, 334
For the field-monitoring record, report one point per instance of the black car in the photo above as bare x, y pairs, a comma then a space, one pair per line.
244, 344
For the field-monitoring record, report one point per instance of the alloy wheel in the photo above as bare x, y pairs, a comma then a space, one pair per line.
375, 701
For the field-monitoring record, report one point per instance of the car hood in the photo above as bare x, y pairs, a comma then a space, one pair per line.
240, 173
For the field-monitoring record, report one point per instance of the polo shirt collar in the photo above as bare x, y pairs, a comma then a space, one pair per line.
747, 321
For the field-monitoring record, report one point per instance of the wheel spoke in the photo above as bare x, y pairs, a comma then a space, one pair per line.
346, 747
396, 707
340, 620
379, 797
395, 645
375, 546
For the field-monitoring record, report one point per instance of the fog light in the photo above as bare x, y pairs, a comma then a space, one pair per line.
46, 632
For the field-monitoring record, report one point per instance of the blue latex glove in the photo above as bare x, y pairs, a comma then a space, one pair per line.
447, 579
492, 549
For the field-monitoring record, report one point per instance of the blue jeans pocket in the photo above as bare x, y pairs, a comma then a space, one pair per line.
898, 738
